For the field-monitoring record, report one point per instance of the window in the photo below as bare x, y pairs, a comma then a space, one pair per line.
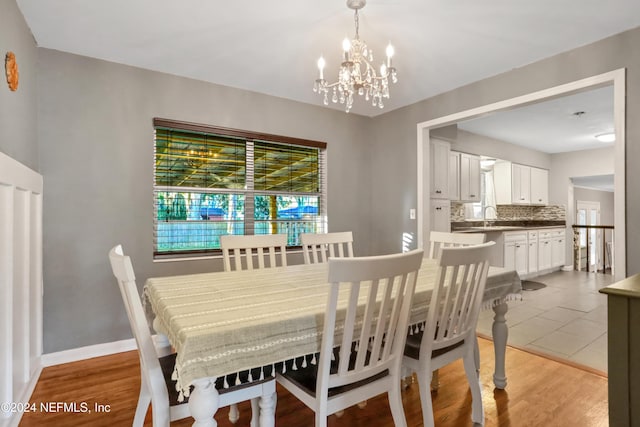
211, 181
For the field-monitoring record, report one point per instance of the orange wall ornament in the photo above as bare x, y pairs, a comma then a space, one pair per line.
11, 69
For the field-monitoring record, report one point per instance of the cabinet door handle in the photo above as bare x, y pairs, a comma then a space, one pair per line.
438, 192
438, 209
472, 195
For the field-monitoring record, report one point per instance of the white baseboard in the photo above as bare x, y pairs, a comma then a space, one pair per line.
88, 352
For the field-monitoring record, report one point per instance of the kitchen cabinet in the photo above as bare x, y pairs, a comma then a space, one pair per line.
464, 177
517, 184
440, 151
520, 184
551, 251
454, 175
544, 251
440, 215
532, 253
515, 252
557, 248
469, 177
539, 186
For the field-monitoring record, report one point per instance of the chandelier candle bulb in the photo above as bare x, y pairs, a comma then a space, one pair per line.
321, 65
390, 53
346, 46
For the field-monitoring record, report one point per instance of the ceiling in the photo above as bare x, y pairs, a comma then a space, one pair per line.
272, 47
569, 123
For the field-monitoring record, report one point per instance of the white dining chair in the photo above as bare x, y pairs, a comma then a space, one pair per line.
270, 250
443, 239
318, 247
157, 388
450, 329
365, 329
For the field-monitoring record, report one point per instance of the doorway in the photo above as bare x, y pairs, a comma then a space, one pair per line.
588, 213
615, 78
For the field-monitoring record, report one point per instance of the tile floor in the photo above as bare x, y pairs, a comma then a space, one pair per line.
566, 319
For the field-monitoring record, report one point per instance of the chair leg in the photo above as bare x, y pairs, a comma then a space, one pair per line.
144, 399
321, 419
395, 403
476, 356
234, 414
477, 410
424, 383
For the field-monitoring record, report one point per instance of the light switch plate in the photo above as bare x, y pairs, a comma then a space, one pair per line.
412, 214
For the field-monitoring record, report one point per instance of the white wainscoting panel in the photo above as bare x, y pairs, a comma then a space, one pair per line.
20, 283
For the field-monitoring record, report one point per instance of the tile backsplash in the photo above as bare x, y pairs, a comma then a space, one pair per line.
517, 213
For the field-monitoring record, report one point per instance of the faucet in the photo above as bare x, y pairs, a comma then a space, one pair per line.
484, 215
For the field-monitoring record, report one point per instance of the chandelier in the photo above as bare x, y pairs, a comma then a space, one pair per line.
356, 74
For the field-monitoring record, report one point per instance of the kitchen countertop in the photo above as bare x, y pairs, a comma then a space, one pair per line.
500, 226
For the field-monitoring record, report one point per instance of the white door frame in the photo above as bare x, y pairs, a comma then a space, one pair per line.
616, 78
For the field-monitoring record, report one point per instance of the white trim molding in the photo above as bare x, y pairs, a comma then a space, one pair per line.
88, 352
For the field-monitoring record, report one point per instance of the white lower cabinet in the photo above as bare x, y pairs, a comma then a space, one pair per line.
544, 251
440, 215
515, 252
551, 249
534, 252
557, 248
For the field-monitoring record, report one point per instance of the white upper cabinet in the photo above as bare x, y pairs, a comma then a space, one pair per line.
454, 175
539, 186
439, 169
520, 185
469, 177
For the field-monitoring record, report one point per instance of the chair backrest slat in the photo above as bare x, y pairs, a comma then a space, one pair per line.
269, 249
318, 248
457, 296
442, 239
375, 294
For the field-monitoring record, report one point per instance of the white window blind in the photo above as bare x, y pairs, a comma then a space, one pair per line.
211, 181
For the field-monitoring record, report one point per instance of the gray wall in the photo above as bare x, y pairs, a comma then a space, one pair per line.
393, 135
96, 145
18, 109
604, 197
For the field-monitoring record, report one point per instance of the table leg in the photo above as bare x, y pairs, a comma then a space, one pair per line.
500, 333
203, 402
267, 410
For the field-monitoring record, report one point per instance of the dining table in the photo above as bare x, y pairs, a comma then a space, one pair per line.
224, 323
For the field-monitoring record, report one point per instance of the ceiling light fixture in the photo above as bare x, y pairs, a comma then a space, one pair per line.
356, 74
606, 137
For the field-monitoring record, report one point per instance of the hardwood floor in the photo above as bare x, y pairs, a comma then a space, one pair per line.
540, 392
